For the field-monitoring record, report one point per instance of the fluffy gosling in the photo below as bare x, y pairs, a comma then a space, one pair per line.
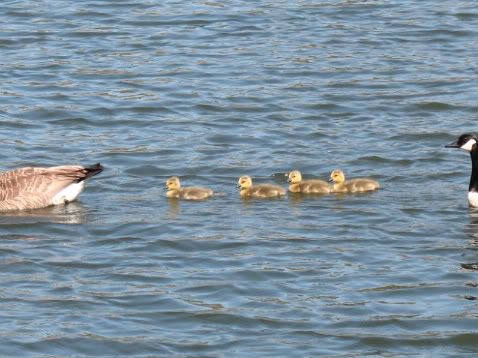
247, 190
315, 186
351, 186
174, 191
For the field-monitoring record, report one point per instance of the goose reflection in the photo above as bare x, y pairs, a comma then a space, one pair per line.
472, 228
72, 213
472, 263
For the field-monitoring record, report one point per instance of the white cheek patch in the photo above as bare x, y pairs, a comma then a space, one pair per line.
473, 199
468, 146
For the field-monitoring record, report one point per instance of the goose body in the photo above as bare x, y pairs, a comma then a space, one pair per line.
37, 187
175, 191
468, 142
353, 185
247, 190
312, 186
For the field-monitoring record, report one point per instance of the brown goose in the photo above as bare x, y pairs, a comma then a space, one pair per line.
34, 187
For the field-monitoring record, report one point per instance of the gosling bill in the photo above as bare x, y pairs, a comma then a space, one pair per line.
175, 191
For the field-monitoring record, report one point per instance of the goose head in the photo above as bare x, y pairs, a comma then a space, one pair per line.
173, 183
467, 141
337, 176
295, 177
244, 182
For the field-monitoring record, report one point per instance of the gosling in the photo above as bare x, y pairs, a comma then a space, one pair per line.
174, 191
247, 190
353, 185
297, 185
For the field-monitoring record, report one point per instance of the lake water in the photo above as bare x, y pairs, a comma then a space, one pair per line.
209, 91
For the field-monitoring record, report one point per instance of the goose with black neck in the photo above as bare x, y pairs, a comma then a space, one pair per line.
469, 142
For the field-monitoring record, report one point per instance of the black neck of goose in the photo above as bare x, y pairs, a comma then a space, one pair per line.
474, 171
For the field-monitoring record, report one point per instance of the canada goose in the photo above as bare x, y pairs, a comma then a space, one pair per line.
315, 186
258, 191
35, 187
468, 142
175, 191
351, 186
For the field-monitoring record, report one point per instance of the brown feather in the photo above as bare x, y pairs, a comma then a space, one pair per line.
35, 187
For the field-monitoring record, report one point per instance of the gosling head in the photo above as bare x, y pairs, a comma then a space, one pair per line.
173, 183
467, 141
244, 182
337, 176
295, 177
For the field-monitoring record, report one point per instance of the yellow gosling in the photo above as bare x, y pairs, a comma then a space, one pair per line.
175, 191
247, 190
353, 185
315, 186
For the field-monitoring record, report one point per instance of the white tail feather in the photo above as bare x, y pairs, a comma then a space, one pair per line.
68, 194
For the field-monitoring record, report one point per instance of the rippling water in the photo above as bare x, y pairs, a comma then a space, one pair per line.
212, 90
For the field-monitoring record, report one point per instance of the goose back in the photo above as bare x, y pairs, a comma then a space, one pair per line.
36, 187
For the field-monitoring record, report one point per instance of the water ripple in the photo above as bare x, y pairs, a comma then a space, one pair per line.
210, 91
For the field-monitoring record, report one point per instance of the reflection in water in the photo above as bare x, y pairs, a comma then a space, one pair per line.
174, 208
473, 235
202, 97
72, 213
247, 201
341, 196
297, 198
19, 237
473, 215
472, 228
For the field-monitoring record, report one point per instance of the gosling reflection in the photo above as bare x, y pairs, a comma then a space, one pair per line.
174, 208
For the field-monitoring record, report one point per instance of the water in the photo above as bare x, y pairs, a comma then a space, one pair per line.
209, 91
